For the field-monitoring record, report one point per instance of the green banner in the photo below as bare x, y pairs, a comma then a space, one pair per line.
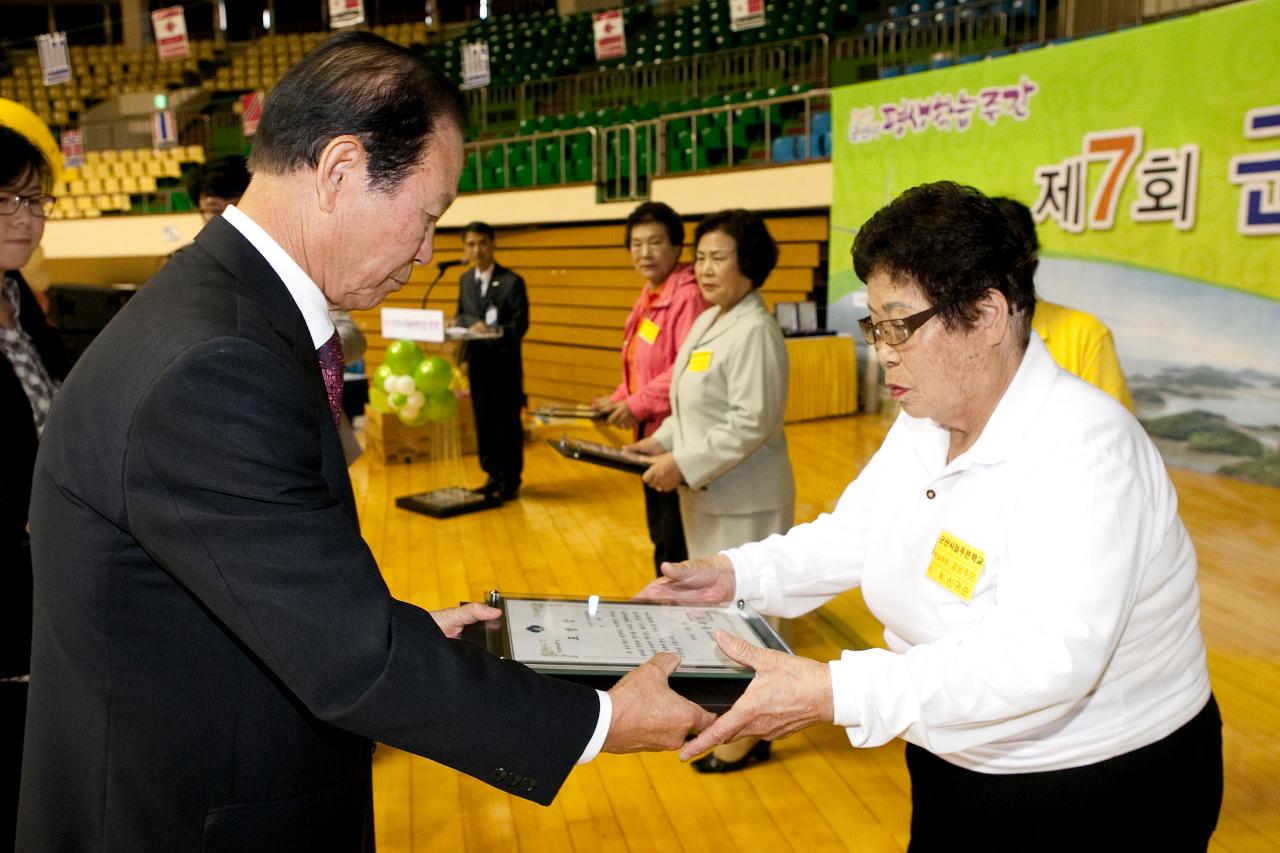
1150, 159
1123, 145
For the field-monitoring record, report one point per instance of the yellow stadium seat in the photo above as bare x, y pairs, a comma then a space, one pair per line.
93, 186
92, 157
77, 187
147, 184
129, 184
84, 202
109, 155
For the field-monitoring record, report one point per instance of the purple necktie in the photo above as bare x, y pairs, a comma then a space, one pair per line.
330, 356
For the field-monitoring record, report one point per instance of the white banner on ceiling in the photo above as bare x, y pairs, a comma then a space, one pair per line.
611, 39
475, 64
55, 65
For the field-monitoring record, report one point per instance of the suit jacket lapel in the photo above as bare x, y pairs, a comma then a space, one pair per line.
751, 304
258, 283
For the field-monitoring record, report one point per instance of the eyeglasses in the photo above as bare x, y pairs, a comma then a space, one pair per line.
894, 332
39, 205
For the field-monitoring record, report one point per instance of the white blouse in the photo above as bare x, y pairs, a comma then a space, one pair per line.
1061, 626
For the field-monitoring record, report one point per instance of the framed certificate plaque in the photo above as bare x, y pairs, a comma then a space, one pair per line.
601, 454
597, 641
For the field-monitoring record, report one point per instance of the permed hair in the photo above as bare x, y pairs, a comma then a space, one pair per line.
955, 244
662, 214
757, 251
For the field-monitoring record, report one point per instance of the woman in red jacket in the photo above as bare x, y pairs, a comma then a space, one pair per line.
667, 306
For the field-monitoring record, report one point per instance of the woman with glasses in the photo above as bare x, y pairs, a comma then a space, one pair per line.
723, 446
1019, 539
29, 371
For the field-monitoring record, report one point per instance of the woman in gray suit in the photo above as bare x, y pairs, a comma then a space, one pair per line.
723, 446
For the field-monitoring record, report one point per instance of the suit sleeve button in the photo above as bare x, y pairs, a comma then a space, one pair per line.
499, 775
529, 784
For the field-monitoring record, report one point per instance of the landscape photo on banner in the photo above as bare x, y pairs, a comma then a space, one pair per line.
1150, 158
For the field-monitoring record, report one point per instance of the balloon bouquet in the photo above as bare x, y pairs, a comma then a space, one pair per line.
412, 386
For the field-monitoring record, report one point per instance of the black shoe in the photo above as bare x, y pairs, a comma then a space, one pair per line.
509, 494
756, 755
490, 489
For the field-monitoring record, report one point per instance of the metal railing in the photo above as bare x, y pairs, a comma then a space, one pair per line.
625, 157
801, 60
563, 139
952, 31
622, 146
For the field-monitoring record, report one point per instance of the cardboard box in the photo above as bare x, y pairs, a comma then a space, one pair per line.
391, 442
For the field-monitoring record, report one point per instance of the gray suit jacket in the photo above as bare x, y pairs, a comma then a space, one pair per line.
728, 397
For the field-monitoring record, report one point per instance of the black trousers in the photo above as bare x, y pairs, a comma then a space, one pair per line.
496, 401
666, 531
1165, 797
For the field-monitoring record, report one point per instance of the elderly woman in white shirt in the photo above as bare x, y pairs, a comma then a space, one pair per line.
1019, 539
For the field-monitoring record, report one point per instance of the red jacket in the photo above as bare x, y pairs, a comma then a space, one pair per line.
672, 312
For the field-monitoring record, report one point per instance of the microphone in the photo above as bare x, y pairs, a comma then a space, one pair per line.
441, 266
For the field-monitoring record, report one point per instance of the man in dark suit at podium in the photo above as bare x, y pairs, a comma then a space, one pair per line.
492, 299
214, 646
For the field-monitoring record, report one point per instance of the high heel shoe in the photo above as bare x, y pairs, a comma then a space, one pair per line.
711, 764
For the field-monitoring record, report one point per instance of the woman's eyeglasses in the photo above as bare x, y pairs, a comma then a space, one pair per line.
39, 205
894, 332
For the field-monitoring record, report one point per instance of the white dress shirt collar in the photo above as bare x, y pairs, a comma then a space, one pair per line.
305, 292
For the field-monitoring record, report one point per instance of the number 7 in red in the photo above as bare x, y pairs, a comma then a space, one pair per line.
1118, 149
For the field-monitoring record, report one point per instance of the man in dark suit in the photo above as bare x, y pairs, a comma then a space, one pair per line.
214, 647
492, 298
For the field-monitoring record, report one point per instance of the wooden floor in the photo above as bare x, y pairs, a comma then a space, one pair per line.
579, 529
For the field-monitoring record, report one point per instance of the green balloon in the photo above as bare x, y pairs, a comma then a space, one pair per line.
403, 356
417, 420
380, 376
378, 400
397, 400
432, 375
440, 406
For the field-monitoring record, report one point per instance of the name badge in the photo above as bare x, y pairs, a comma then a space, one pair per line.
649, 330
699, 360
956, 565
491, 315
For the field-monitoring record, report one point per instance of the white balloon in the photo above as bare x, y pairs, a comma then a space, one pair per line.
404, 384
389, 384
409, 411
416, 399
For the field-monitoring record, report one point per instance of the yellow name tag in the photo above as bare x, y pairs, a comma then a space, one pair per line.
699, 360
649, 330
956, 565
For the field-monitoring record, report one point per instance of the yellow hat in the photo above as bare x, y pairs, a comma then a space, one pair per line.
30, 125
